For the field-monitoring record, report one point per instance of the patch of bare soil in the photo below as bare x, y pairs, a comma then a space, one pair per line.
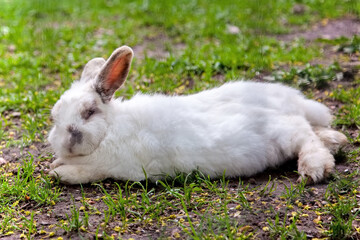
20, 152
158, 46
327, 29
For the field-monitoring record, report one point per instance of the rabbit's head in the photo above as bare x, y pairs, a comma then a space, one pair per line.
81, 114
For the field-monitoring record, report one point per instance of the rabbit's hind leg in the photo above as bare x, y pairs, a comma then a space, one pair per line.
332, 139
299, 139
315, 160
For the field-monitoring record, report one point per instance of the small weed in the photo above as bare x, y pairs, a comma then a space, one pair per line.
30, 225
351, 46
341, 193
310, 76
342, 185
74, 221
7, 221
279, 229
294, 191
116, 204
343, 213
242, 200
267, 189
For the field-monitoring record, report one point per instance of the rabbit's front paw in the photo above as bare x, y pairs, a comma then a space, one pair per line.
68, 174
58, 162
315, 166
76, 174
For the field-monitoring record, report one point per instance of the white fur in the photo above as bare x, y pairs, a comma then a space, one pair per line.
240, 128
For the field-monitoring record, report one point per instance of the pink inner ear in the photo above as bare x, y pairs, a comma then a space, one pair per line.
118, 72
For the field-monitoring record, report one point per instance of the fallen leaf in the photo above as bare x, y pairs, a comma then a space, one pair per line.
317, 220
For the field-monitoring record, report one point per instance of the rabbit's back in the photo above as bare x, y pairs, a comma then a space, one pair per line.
268, 96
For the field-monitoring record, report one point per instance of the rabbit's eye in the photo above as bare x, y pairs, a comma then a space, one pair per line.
88, 113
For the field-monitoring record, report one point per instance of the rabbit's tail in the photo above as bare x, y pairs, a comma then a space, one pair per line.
317, 113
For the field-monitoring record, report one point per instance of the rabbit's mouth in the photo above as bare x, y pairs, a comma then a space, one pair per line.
73, 152
83, 145
72, 155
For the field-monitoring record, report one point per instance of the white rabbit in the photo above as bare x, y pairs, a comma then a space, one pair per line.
239, 129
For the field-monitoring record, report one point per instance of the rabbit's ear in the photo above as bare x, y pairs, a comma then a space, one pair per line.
91, 69
114, 73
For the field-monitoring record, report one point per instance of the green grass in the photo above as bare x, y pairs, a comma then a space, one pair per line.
350, 112
341, 194
21, 189
43, 48
280, 230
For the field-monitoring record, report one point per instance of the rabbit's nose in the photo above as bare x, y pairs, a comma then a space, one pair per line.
76, 136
